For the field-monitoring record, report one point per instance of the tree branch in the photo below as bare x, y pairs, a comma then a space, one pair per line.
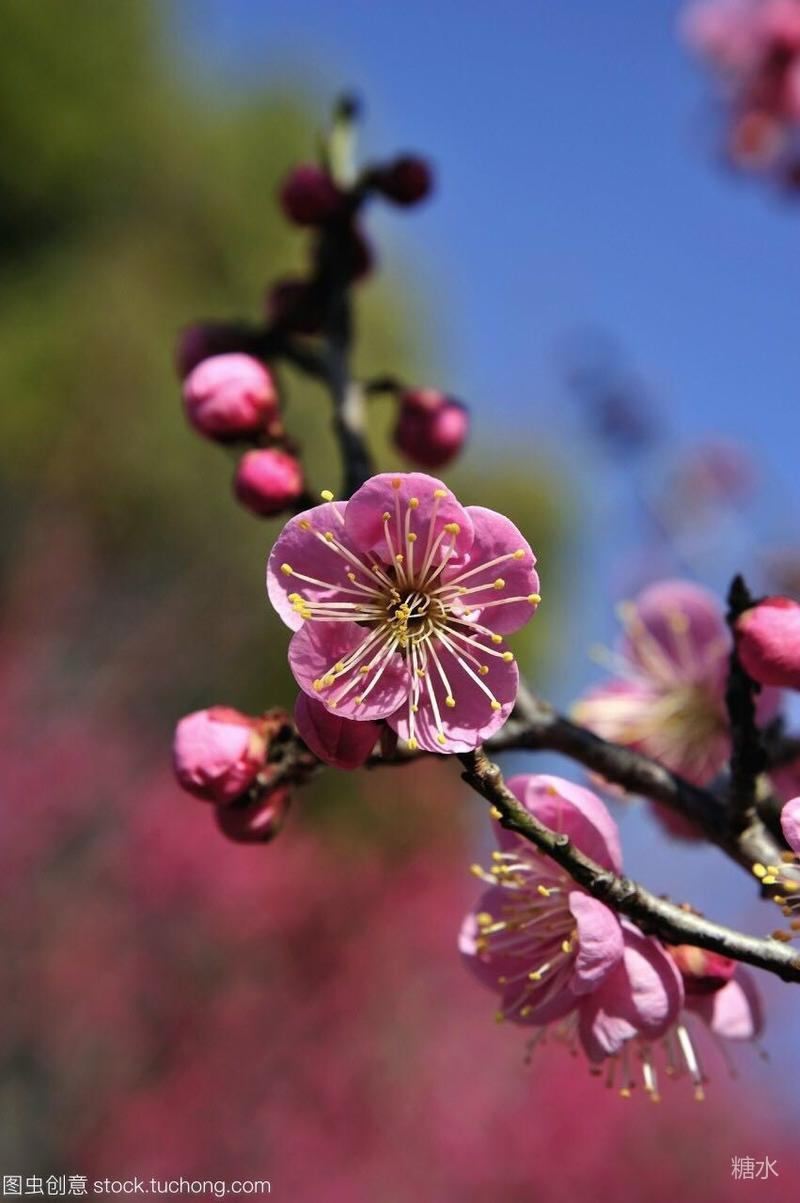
653, 915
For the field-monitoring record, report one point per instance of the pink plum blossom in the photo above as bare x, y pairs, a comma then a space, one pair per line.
400, 599
228, 397
536, 936
768, 642
557, 956
790, 824
309, 196
218, 753
667, 697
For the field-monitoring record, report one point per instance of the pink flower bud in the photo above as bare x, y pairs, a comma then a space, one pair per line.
703, 972
342, 742
309, 196
268, 482
229, 397
431, 427
254, 821
406, 181
768, 642
218, 753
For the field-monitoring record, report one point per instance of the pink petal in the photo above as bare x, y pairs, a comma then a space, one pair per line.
790, 823
600, 943
318, 646
299, 547
342, 742
735, 1011
495, 536
686, 630
643, 995
573, 810
472, 719
366, 528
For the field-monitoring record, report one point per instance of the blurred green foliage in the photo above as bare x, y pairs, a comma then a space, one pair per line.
135, 199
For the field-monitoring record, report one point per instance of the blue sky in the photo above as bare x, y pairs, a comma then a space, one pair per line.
574, 144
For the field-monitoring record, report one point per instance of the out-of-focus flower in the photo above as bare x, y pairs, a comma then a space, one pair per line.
268, 481
431, 427
667, 697
399, 599
229, 397
754, 46
342, 742
218, 753
703, 972
536, 936
768, 642
254, 820
406, 181
309, 196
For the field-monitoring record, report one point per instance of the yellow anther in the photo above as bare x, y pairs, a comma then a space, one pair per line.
759, 870
450, 701
295, 597
386, 516
495, 813
441, 739
396, 483
351, 576
625, 1092
413, 745
566, 946
452, 528
339, 666
440, 492
398, 555
534, 598
326, 495
495, 704
317, 685
286, 569
499, 1017
484, 919
526, 1010
364, 670
329, 536
508, 657
543, 890
359, 700
783, 936
421, 672
412, 538
304, 524
329, 680
499, 583
413, 502
415, 709
497, 638
769, 880
518, 555
535, 975
483, 670
333, 703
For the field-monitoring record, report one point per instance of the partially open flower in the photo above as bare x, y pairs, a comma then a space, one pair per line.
218, 753
229, 397
268, 481
400, 599
431, 427
406, 180
309, 196
768, 642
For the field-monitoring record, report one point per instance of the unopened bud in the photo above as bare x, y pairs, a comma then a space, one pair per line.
431, 427
230, 397
406, 181
269, 481
218, 753
309, 196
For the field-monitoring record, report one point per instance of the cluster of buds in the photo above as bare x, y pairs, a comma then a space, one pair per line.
224, 757
754, 48
228, 369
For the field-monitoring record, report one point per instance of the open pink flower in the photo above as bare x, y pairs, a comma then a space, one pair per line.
399, 600
790, 824
536, 936
668, 697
